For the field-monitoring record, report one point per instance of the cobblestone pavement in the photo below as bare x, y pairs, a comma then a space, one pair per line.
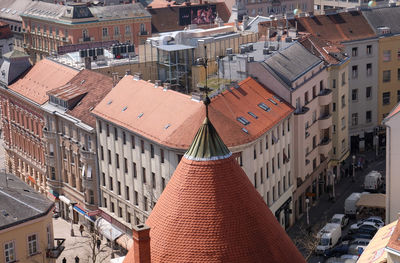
79, 245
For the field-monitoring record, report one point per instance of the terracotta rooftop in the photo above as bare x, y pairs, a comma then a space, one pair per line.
86, 90
395, 110
42, 77
168, 117
210, 212
337, 28
394, 241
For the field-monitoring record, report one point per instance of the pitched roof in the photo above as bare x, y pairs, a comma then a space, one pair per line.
394, 241
383, 17
19, 203
90, 88
42, 77
210, 212
394, 111
113, 12
332, 53
11, 9
291, 63
170, 117
14, 65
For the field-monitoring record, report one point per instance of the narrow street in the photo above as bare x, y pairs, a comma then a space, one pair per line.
324, 209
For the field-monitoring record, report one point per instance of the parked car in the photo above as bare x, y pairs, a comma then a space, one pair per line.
340, 260
367, 229
354, 227
360, 241
358, 235
374, 219
356, 249
340, 219
328, 236
348, 256
339, 250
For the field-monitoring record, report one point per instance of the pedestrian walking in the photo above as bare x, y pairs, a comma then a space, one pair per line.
98, 243
76, 259
81, 229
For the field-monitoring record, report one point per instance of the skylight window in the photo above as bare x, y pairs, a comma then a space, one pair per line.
273, 102
243, 121
140, 115
253, 115
263, 106
124, 109
278, 99
167, 126
109, 102
245, 130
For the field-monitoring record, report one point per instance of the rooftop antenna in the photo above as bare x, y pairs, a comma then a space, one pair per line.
203, 62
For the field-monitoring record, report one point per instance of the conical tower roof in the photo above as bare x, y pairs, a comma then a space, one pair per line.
210, 212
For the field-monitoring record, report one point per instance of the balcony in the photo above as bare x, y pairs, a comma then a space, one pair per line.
325, 121
55, 252
325, 146
87, 156
86, 39
143, 33
302, 110
325, 97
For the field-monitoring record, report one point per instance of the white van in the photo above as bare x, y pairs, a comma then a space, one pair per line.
328, 236
373, 181
350, 204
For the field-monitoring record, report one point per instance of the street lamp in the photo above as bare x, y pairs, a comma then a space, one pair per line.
354, 167
307, 208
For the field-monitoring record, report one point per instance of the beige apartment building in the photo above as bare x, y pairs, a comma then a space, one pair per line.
70, 144
140, 144
26, 226
300, 78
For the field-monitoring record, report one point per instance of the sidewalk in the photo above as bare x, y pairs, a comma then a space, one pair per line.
323, 209
79, 245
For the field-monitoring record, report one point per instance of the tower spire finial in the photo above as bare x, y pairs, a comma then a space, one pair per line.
203, 61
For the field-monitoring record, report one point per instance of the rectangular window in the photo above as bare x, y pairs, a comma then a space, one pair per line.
136, 198
163, 183
144, 174
127, 29
119, 188
142, 146
334, 83
354, 119
343, 123
354, 52
128, 217
343, 78
123, 137
278, 160
153, 180
111, 183
333, 106
261, 175
273, 193
117, 160
273, 165
369, 49
102, 153
112, 207
369, 69
386, 98
255, 180
343, 101
162, 155
151, 151
368, 116
108, 130
109, 156
368, 92
254, 152
105, 202
398, 96
134, 169
267, 170
145, 204
125, 165
133, 141
354, 94
104, 178
32, 244
120, 211
115, 133
386, 75
116, 30
387, 55
354, 72
398, 54
105, 32
9, 252
279, 188
266, 142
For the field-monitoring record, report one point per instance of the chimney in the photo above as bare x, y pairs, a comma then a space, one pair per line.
114, 78
167, 86
127, 72
141, 243
88, 63
137, 76
157, 83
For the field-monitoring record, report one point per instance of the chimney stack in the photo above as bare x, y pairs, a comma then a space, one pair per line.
137, 76
157, 83
141, 243
115, 78
88, 63
127, 72
167, 86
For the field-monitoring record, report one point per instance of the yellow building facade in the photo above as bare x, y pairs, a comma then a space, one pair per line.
389, 75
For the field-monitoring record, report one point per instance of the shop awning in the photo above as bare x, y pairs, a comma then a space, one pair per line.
83, 212
125, 241
372, 200
375, 252
107, 229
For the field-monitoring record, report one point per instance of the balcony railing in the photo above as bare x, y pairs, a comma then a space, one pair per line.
55, 252
143, 33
